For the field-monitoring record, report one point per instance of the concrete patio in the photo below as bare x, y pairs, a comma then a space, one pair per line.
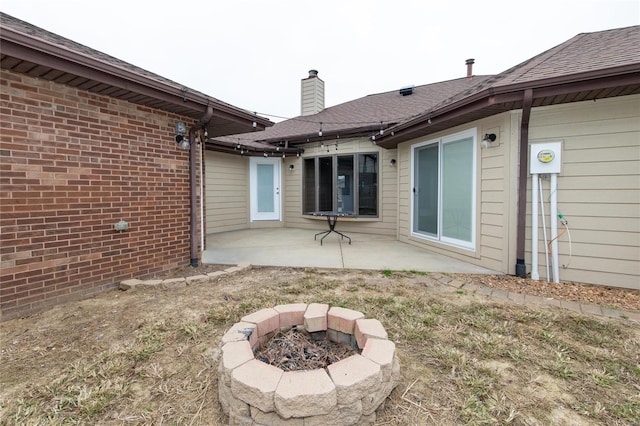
297, 248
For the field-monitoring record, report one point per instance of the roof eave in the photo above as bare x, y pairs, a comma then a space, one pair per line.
494, 100
26, 47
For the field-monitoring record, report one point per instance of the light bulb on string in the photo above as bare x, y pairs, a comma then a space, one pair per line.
320, 131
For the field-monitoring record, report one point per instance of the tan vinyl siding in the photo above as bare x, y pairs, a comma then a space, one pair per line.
226, 192
598, 188
493, 196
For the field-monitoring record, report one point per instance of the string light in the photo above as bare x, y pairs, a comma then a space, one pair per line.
320, 131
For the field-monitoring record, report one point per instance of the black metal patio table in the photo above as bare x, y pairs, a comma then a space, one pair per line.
332, 219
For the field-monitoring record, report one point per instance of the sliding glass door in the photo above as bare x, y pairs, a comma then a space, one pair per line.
444, 189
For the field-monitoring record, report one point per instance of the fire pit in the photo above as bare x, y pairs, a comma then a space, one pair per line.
346, 392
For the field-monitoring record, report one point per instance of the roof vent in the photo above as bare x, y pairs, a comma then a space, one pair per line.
407, 90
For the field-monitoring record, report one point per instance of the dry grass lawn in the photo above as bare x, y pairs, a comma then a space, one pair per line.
150, 355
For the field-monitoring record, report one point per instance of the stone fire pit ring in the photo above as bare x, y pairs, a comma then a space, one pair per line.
347, 392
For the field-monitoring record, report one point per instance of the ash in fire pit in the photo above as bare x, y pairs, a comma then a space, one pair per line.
315, 388
296, 350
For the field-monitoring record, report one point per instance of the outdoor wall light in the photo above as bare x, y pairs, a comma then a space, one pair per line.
181, 130
291, 166
487, 140
392, 162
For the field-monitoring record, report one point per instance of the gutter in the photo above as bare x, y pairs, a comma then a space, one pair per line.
193, 209
112, 71
521, 267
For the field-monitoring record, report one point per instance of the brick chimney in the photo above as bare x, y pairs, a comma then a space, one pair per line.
312, 94
470, 63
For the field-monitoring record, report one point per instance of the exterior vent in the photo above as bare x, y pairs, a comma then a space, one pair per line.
407, 90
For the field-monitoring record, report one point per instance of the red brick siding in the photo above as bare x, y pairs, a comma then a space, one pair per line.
72, 164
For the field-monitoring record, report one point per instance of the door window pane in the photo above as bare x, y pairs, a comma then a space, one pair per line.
426, 190
457, 186
265, 188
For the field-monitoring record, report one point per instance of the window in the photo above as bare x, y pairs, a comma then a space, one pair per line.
342, 183
444, 189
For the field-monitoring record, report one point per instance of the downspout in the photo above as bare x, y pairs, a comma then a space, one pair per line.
193, 223
521, 268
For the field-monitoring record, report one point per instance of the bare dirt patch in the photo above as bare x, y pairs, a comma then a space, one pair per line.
150, 355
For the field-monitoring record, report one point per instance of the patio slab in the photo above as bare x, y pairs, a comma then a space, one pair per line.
297, 248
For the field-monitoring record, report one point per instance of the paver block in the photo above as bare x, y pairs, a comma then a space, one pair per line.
342, 319
550, 301
500, 294
255, 383
382, 353
234, 354
241, 331
216, 274
354, 377
315, 317
233, 269
342, 338
395, 370
129, 284
173, 280
588, 308
267, 320
457, 283
229, 402
371, 401
197, 278
530, 299
570, 305
273, 419
516, 297
470, 287
151, 283
366, 328
339, 415
244, 265
291, 314
484, 291
305, 393
633, 316
612, 313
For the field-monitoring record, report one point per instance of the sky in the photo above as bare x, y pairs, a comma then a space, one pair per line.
254, 53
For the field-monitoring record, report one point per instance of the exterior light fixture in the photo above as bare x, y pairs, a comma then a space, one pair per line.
291, 166
392, 162
181, 130
487, 140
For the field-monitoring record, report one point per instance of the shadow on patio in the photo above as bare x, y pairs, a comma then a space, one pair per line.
297, 248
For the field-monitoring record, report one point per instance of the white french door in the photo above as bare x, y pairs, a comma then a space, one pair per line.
264, 188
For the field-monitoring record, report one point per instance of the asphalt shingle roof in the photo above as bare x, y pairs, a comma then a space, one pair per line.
369, 112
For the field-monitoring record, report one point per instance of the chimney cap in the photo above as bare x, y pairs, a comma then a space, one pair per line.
470, 61
313, 73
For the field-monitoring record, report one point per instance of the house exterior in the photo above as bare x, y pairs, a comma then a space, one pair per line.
446, 166
88, 141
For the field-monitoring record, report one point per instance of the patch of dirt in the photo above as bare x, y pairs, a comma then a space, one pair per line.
150, 355
612, 297
297, 350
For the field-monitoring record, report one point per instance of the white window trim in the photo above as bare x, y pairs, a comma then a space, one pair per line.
439, 238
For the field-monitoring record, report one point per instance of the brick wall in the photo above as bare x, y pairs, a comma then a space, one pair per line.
72, 164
